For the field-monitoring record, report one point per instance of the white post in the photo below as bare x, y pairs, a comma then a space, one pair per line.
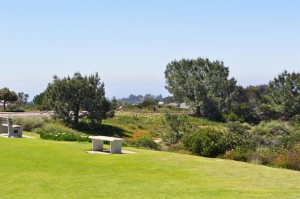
97, 145
9, 127
116, 146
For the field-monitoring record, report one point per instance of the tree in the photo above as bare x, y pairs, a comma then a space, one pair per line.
114, 103
147, 102
7, 96
284, 94
39, 101
73, 94
246, 104
168, 100
22, 99
159, 98
203, 84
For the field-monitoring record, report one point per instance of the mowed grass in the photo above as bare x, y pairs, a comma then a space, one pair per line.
35, 168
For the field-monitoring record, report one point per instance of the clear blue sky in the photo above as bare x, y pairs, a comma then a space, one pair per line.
130, 42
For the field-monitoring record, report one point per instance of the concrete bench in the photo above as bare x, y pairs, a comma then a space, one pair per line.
6, 127
115, 143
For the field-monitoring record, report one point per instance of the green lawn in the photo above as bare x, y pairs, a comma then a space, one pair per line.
35, 168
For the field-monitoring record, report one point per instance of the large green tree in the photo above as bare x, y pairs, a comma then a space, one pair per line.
246, 105
283, 94
203, 84
69, 95
7, 96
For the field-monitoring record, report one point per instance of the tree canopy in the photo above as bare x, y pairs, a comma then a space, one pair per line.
284, 94
7, 96
69, 95
22, 100
203, 84
39, 101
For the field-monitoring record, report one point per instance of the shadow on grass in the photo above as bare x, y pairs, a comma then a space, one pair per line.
103, 129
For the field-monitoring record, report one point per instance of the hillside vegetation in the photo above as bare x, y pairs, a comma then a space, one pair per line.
273, 143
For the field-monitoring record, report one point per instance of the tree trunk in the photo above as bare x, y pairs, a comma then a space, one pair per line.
4, 105
76, 120
198, 111
76, 116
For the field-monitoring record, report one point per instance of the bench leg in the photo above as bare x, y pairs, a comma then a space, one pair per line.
97, 145
115, 147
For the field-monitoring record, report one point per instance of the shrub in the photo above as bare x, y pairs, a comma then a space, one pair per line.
271, 128
144, 142
179, 148
173, 108
295, 121
272, 134
262, 155
175, 126
239, 135
206, 141
30, 123
110, 114
53, 131
238, 154
148, 102
289, 159
273, 143
289, 141
13, 107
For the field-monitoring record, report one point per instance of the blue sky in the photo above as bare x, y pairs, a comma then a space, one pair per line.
130, 42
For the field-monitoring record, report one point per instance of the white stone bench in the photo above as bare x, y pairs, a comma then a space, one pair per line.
8, 128
115, 143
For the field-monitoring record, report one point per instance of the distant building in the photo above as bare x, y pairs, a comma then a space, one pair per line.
161, 103
184, 105
173, 104
180, 105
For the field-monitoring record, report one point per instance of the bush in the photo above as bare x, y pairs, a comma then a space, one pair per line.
291, 140
175, 126
295, 121
179, 148
239, 135
110, 114
30, 123
148, 103
53, 131
272, 134
262, 155
273, 143
144, 142
289, 159
173, 108
271, 128
13, 108
238, 154
206, 141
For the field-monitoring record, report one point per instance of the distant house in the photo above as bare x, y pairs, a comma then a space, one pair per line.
161, 103
180, 105
173, 104
184, 105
